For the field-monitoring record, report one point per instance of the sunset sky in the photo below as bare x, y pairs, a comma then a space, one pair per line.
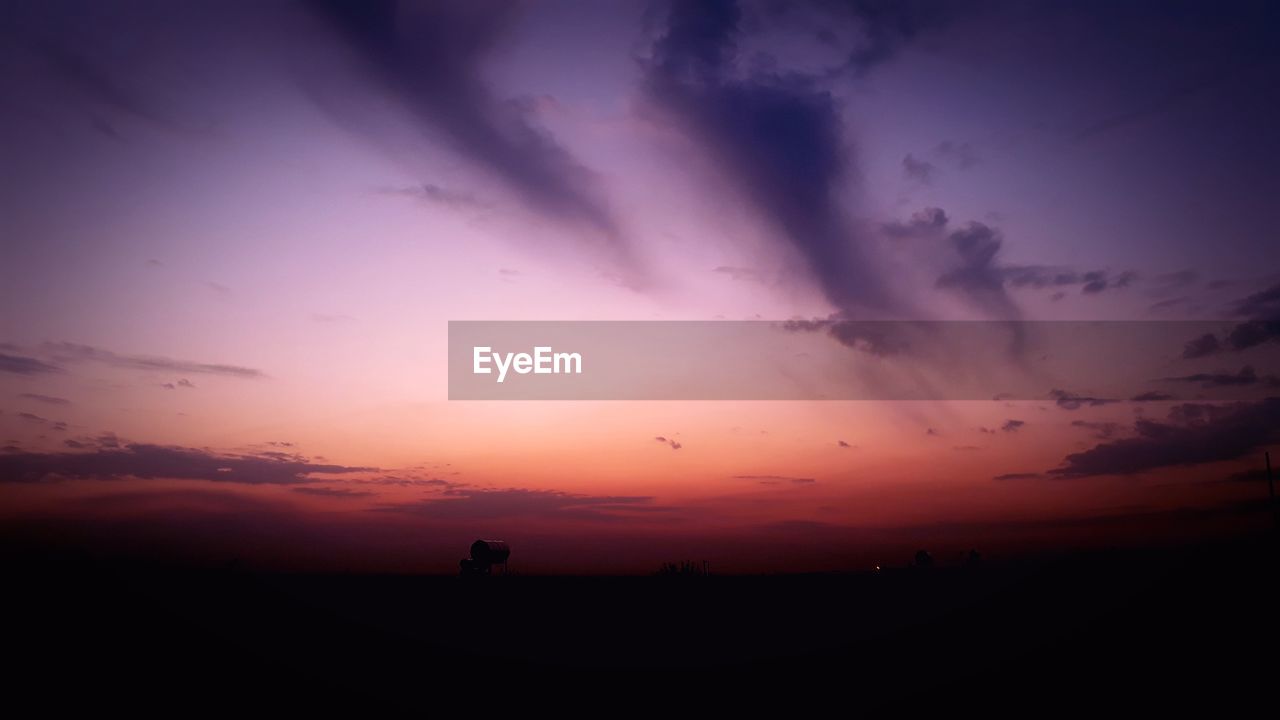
232, 236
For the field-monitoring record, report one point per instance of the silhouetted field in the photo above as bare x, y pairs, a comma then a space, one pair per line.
1205, 615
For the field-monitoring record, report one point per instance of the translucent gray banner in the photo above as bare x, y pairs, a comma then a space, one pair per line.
1071, 363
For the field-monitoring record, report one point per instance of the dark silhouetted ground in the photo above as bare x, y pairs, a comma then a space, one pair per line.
1130, 620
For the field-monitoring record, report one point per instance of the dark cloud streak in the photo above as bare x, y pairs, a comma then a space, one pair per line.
21, 365
504, 504
72, 352
1193, 435
157, 461
430, 56
779, 137
46, 399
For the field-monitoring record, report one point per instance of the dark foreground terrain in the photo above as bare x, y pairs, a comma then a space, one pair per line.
80, 629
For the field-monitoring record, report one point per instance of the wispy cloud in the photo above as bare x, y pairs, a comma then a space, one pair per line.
776, 136
777, 479
1018, 476
333, 492
1072, 401
1100, 430
431, 59
21, 365
478, 504
916, 170
46, 399
669, 441
437, 195
1246, 377
65, 352
158, 461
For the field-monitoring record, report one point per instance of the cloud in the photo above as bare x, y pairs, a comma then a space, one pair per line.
1263, 309
1091, 282
1262, 305
504, 504
843, 444
1252, 334
923, 223
1071, 401
672, 442
737, 273
1018, 476
1152, 396
1203, 346
916, 170
102, 85
46, 399
51, 424
776, 479
1012, 425
882, 339
1167, 305
20, 365
437, 195
885, 28
1241, 337
71, 352
1039, 276
393, 480
1246, 376
1192, 435
156, 461
1096, 281
1251, 475
332, 492
978, 276
1100, 430
777, 137
430, 56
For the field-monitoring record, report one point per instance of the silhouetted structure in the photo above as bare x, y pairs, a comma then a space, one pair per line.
923, 559
484, 555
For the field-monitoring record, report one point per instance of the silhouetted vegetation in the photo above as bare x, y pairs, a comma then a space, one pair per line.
685, 568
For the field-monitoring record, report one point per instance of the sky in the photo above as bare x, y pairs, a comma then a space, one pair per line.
232, 236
